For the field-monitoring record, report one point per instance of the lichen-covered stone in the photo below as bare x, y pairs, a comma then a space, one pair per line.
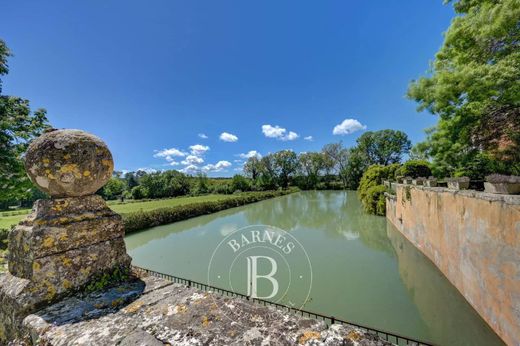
160, 312
68, 242
68, 163
59, 225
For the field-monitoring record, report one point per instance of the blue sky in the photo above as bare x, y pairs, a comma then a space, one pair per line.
157, 75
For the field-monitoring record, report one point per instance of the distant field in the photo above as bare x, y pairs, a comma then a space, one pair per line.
131, 206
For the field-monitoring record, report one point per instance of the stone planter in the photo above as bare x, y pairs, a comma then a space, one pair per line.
407, 180
461, 183
418, 181
430, 183
502, 188
502, 184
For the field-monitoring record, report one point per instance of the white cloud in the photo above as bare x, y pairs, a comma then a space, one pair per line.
192, 160
238, 161
198, 149
291, 136
190, 169
147, 170
238, 169
219, 166
347, 127
251, 153
278, 133
174, 163
203, 136
309, 138
228, 137
168, 154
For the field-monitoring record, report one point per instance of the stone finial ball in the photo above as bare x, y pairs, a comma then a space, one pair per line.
68, 163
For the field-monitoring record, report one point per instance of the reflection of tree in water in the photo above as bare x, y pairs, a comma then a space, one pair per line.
337, 213
450, 319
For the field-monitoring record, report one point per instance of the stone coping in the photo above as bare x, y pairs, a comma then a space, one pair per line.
154, 311
508, 199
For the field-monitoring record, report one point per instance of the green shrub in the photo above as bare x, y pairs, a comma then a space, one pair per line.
145, 219
374, 202
239, 182
139, 192
414, 169
371, 189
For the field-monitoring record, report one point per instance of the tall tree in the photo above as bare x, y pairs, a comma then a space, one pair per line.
383, 147
18, 125
474, 88
311, 165
339, 156
286, 163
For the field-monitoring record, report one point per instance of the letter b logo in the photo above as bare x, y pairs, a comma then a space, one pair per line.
253, 276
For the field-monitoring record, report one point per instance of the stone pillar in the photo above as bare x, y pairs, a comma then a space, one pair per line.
68, 240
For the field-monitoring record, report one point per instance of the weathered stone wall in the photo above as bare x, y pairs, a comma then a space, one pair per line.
474, 239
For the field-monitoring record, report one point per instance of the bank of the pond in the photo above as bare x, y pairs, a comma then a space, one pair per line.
145, 219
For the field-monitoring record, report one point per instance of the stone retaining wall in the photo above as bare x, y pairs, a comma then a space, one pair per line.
474, 239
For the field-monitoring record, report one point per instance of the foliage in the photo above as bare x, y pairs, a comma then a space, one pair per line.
18, 125
311, 167
252, 167
240, 183
113, 189
414, 169
145, 219
285, 165
371, 186
375, 202
202, 186
474, 88
102, 281
356, 166
166, 184
139, 192
338, 158
383, 147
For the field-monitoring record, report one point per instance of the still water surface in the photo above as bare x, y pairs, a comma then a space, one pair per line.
363, 269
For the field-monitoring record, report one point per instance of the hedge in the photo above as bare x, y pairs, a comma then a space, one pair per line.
145, 219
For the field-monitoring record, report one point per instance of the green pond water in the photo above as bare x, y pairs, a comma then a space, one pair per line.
363, 269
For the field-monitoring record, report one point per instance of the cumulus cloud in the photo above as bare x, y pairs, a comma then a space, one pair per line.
347, 127
190, 169
169, 154
308, 138
192, 160
228, 137
174, 163
203, 136
219, 166
147, 170
198, 149
251, 153
278, 133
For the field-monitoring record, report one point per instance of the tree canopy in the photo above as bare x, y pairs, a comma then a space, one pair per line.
18, 125
474, 87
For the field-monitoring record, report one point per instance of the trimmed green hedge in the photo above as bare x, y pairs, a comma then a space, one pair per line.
145, 219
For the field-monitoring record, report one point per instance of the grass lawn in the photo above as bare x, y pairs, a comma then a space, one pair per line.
122, 208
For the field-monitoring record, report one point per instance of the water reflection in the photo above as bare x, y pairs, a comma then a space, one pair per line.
441, 306
363, 269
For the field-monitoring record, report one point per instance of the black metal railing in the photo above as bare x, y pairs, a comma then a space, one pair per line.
388, 336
